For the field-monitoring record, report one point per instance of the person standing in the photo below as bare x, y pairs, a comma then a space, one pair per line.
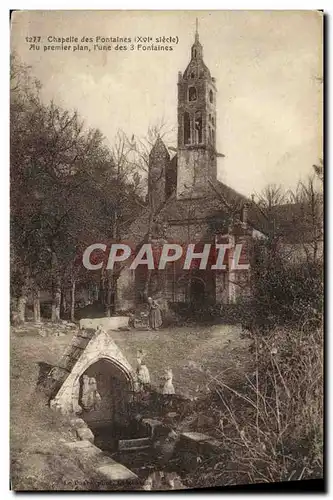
142, 371
168, 388
155, 315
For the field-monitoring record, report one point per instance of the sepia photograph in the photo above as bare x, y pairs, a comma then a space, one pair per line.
166, 250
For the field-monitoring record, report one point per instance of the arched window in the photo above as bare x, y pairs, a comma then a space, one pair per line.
211, 97
192, 75
192, 94
213, 121
187, 129
213, 137
198, 128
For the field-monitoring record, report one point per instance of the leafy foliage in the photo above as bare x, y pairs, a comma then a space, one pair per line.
68, 189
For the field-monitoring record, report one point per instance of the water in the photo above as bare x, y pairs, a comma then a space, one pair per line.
143, 462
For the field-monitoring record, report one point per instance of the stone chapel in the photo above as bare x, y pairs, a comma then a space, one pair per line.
188, 204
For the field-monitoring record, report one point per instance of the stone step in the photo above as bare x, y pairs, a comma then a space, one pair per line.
112, 323
134, 444
200, 443
103, 464
117, 472
84, 447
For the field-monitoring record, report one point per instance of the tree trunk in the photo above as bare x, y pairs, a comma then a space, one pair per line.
63, 306
101, 297
55, 317
73, 302
146, 289
13, 311
108, 295
36, 306
56, 290
19, 302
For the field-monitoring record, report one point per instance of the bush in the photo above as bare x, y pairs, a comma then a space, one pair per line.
282, 292
272, 425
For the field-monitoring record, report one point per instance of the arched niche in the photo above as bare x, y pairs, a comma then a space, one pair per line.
104, 392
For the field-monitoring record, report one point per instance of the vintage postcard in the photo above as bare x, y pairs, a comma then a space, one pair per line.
166, 284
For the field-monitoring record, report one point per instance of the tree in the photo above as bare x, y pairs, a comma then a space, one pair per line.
311, 236
64, 194
286, 266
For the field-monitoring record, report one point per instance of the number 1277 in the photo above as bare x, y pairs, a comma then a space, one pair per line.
33, 39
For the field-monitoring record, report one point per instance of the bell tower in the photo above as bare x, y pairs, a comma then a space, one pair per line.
196, 126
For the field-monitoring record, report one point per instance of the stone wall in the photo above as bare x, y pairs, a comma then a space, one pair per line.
195, 167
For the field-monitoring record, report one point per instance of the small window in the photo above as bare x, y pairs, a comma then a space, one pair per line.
211, 97
213, 121
192, 75
192, 94
210, 117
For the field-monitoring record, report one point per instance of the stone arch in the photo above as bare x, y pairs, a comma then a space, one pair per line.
197, 289
100, 347
115, 386
120, 366
190, 288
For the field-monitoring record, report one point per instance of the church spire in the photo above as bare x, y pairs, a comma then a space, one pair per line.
196, 51
196, 37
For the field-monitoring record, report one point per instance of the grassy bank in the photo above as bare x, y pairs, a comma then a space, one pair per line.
39, 460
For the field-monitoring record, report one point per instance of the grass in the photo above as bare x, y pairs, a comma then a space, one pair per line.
197, 355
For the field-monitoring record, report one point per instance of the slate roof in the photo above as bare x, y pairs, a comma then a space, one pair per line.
216, 204
209, 207
59, 373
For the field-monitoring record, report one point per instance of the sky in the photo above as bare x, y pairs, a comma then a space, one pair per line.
267, 65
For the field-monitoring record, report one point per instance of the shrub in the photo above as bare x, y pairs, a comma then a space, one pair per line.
282, 292
272, 425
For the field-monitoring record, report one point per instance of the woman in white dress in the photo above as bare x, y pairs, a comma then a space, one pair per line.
168, 389
142, 372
